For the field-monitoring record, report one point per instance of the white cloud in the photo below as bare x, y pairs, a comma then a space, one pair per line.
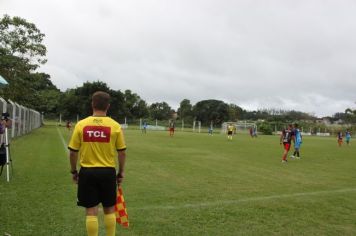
258, 54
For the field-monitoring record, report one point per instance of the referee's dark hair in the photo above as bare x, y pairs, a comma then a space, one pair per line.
100, 100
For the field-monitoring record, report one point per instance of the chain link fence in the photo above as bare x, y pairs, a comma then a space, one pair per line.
24, 120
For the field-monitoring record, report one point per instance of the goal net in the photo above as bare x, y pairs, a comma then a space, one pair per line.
239, 127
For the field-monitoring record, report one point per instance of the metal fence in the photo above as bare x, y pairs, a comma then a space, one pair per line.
24, 120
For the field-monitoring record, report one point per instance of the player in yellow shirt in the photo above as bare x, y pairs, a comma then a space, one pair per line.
97, 141
230, 129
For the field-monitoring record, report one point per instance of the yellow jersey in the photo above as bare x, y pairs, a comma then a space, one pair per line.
230, 128
97, 138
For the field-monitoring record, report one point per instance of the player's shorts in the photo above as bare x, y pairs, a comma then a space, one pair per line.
171, 129
286, 146
297, 145
348, 140
339, 140
97, 185
229, 132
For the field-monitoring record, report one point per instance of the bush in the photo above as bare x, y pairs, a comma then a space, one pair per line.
265, 128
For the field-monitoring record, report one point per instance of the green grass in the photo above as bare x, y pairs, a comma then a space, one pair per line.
191, 184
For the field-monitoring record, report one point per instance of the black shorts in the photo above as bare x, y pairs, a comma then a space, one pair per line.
97, 185
229, 132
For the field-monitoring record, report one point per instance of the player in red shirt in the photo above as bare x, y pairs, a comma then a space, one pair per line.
286, 139
171, 128
339, 138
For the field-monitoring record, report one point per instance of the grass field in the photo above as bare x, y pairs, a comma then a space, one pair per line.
191, 184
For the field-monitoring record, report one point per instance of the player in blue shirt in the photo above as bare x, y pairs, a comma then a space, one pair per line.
348, 137
144, 127
297, 142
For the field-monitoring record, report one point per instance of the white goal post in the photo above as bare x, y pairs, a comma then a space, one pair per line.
240, 126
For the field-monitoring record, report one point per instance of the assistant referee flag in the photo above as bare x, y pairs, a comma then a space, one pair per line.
120, 208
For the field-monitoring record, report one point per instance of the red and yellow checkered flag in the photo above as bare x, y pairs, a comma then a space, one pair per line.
120, 208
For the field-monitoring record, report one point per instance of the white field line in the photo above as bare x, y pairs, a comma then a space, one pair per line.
63, 141
237, 201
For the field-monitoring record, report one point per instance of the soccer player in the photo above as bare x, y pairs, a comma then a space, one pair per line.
69, 125
254, 132
144, 129
297, 142
230, 129
286, 139
171, 128
339, 138
348, 137
99, 140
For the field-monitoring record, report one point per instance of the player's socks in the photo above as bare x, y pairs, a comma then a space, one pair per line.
92, 225
110, 224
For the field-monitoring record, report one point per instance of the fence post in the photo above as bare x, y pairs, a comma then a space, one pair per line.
13, 115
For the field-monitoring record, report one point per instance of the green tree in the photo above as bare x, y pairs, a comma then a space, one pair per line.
117, 105
77, 101
185, 110
211, 110
141, 110
235, 112
265, 128
48, 102
68, 105
22, 39
135, 107
42, 95
21, 53
160, 111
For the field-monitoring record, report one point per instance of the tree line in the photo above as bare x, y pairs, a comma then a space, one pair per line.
22, 52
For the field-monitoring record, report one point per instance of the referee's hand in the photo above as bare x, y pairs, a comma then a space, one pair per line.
75, 176
119, 178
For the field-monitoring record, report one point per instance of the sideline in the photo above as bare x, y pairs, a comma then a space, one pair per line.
63, 141
252, 199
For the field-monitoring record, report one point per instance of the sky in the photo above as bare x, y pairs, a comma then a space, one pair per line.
280, 54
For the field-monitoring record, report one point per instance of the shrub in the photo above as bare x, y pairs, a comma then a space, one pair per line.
265, 128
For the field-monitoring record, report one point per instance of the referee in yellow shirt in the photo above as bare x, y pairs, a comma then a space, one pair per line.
97, 141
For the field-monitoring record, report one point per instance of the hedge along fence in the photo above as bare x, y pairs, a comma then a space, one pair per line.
307, 127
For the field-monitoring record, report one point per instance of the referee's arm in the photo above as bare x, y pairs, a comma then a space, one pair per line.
121, 159
73, 157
